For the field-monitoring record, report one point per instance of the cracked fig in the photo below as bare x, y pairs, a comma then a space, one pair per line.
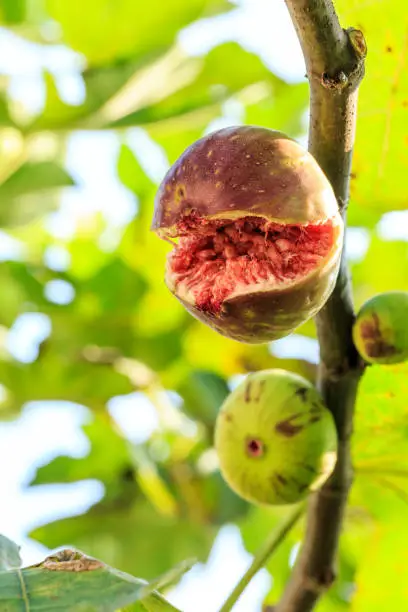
276, 441
256, 231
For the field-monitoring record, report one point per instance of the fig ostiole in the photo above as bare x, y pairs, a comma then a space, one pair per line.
257, 231
380, 331
276, 441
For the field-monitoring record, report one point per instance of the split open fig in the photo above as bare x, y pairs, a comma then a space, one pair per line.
256, 230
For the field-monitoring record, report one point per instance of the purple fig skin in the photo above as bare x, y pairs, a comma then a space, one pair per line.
241, 171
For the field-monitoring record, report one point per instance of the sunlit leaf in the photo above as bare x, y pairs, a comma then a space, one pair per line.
35, 177
203, 393
126, 28
101, 435
124, 535
210, 86
12, 11
385, 268
379, 583
69, 580
381, 153
131, 173
381, 427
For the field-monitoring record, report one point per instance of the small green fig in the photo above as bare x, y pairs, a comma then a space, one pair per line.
380, 331
258, 233
276, 441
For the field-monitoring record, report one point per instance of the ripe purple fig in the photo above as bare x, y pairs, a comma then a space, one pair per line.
259, 234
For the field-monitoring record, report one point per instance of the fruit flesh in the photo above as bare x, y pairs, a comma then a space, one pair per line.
276, 441
219, 258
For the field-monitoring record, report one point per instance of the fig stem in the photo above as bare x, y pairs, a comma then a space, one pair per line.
264, 553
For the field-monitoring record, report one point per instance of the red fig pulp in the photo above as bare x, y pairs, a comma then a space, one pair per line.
258, 229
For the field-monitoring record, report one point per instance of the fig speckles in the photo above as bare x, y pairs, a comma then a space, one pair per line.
302, 393
288, 428
248, 392
281, 479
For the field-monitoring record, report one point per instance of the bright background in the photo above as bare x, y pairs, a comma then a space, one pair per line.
108, 390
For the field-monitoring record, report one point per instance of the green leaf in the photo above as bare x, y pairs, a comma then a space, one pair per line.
9, 554
214, 83
5, 119
28, 193
203, 393
131, 174
101, 434
69, 580
125, 531
116, 287
157, 603
32, 177
381, 152
12, 11
385, 268
118, 30
380, 454
100, 84
381, 424
172, 576
154, 603
379, 579
221, 504
282, 108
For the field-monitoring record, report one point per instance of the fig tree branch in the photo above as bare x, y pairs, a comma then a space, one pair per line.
334, 60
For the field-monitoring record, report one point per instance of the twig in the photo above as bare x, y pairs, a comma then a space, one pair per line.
335, 66
263, 554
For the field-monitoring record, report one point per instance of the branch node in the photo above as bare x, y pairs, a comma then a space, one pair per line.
338, 82
320, 584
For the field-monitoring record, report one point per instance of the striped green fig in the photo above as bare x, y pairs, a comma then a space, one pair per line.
276, 441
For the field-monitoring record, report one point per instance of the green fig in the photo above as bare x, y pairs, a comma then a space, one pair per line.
276, 441
380, 331
256, 231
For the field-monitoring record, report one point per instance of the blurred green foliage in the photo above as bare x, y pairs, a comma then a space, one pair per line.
123, 332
